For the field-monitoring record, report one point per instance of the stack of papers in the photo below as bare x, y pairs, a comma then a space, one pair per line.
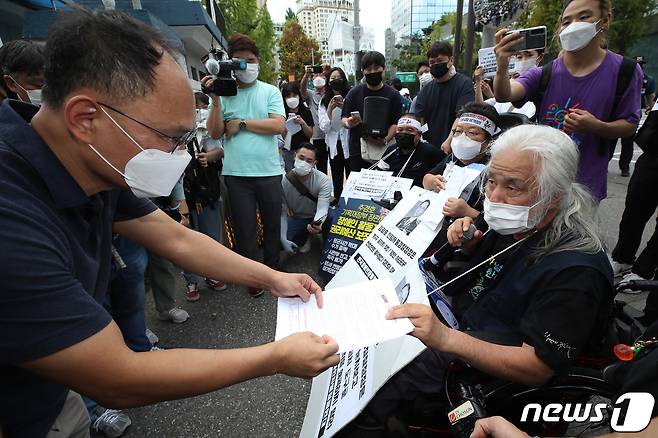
354, 316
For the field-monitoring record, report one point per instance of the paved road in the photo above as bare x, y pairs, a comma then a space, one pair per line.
273, 406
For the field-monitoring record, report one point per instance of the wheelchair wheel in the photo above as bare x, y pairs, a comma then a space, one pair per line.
581, 388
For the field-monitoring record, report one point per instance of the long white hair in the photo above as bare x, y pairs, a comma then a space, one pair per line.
555, 158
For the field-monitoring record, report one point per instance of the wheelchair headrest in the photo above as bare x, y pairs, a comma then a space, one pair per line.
510, 120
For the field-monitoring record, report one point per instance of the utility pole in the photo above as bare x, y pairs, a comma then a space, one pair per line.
458, 31
470, 38
356, 34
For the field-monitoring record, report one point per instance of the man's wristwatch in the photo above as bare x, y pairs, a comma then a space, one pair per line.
243, 125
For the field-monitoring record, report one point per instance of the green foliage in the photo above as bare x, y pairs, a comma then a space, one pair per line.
244, 16
411, 54
296, 48
629, 22
290, 14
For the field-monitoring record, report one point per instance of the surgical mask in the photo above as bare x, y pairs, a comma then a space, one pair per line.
374, 79
319, 82
465, 148
152, 172
292, 102
249, 75
439, 70
425, 79
578, 35
525, 65
506, 219
302, 168
405, 140
33, 95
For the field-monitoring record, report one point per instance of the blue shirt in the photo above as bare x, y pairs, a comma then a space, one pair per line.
55, 267
247, 153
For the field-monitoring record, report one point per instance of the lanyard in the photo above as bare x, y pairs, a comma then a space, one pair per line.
405, 164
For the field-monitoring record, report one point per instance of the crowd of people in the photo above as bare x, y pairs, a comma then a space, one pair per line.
122, 176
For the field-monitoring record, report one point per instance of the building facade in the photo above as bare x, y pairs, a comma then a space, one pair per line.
340, 43
410, 17
390, 51
318, 16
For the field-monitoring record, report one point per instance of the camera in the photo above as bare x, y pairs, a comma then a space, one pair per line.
221, 68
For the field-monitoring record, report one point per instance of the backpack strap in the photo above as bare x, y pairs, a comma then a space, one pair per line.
624, 78
546, 73
301, 188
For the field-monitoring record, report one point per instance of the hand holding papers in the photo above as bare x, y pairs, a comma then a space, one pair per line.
354, 316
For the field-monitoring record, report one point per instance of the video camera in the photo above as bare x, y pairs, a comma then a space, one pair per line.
222, 68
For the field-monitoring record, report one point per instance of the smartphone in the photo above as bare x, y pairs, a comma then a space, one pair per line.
318, 222
317, 69
355, 114
532, 38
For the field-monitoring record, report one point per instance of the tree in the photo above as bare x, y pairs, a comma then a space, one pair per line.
629, 22
296, 49
410, 54
245, 17
265, 40
290, 15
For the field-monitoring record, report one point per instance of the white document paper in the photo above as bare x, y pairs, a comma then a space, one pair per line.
292, 126
354, 316
487, 60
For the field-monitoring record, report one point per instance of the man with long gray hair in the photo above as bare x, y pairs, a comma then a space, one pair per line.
537, 286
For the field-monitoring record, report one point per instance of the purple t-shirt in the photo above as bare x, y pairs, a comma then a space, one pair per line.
595, 93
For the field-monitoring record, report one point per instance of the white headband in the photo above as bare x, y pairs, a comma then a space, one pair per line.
479, 121
406, 121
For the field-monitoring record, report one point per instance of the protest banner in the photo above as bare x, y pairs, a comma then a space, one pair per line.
487, 60
392, 250
356, 216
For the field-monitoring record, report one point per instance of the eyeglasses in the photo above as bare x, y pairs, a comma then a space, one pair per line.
471, 133
177, 142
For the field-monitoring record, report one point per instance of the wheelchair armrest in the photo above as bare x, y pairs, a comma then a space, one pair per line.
642, 285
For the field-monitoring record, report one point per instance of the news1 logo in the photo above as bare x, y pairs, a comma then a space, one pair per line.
630, 413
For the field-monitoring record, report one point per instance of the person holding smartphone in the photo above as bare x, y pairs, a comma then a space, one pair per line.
312, 98
580, 96
306, 198
336, 135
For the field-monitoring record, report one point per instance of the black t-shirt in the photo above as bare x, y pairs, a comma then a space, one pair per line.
425, 157
557, 304
299, 137
354, 102
438, 103
55, 266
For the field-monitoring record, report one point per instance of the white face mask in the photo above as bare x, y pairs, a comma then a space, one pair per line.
302, 168
292, 102
507, 219
319, 82
34, 96
152, 172
465, 148
525, 65
578, 35
425, 79
249, 75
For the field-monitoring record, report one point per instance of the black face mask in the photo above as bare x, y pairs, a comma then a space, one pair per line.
439, 70
405, 140
374, 79
337, 85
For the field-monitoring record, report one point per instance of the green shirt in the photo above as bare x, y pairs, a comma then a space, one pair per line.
247, 153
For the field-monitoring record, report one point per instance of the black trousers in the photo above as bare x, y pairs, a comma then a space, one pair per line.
340, 170
323, 155
245, 194
641, 204
626, 153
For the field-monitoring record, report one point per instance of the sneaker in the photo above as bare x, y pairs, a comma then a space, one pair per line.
152, 337
306, 247
620, 269
192, 292
255, 292
626, 280
216, 284
111, 422
175, 315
